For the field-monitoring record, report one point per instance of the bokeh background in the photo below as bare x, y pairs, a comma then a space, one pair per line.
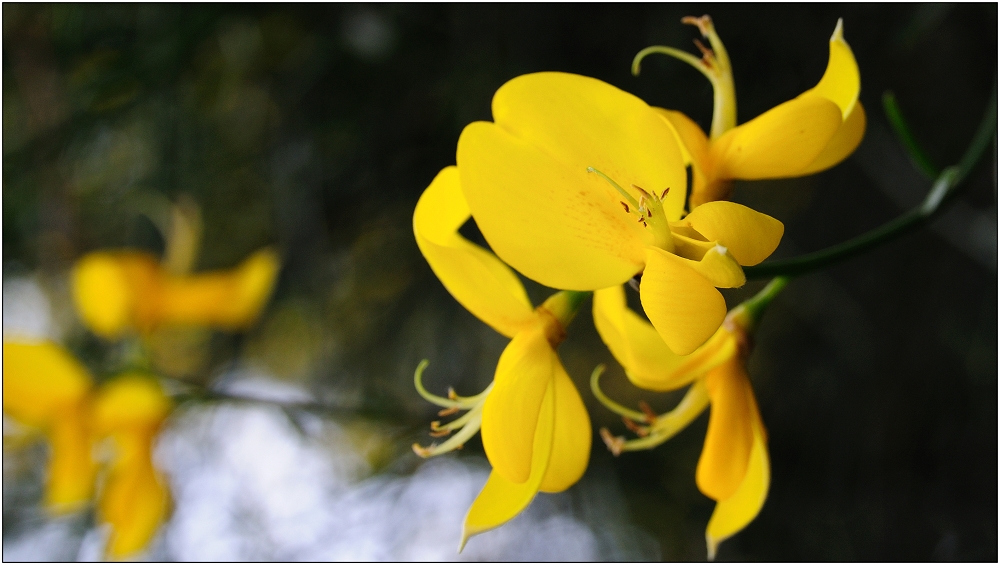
315, 128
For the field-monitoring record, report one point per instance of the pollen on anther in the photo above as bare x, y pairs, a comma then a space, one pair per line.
664, 195
649, 212
448, 411
624, 205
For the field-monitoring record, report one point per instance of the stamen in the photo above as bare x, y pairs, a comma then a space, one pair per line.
440, 433
622, 191
665, 192
642, 190
641, 431
707, 54
651, 416
624, 205
614, 443
649, 212
448, 411
595, 387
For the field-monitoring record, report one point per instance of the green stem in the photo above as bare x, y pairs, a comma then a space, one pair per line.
756, 305
942, 192
899, 125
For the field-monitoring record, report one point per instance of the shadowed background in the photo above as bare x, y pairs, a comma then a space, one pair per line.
316, 128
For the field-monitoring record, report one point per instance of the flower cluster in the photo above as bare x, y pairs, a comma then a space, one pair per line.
581, 186
102, 434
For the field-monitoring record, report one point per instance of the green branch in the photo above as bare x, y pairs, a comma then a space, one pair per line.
943, 191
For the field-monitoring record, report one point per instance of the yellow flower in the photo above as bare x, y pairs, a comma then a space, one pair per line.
805, 135
134, 500
734, 468
545, 182
535, 428
46, 388
121, 291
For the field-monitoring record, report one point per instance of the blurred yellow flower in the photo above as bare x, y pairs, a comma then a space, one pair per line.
535, 428
734, 468
45, 388
120, 291
130, 410
805, 135
581, 186
48, 390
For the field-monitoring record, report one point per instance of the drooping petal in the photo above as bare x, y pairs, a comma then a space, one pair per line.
730, 437
571, 437
41, 380
71, 469
501, 499
584, 122
475, 277
781, 142
841, 82
134, 501
684, 308
511, 411
230, 300
749, 235
559, 226
843, 143
734, 513
116, 291
647, 360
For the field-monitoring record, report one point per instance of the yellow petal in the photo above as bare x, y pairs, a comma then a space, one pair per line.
749, 235
841, 81
781, 142
684, 308
583, 122
559, 226
133, 401
116, 291
475, 277
719, 268
844, 142
571, 436
692, 139
41, 381
134, 502
648, 361
229, 300
734, 513
70, 481
511, 411
501, 499
729, 439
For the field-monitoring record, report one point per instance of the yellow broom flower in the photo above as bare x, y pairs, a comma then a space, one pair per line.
535, 428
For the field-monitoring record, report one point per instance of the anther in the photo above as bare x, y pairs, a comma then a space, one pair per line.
706, 53
664, 195
440, 433
624, 205
451, 394
615, 444
642, 190
641, 431
424, 452
449, 411
649, 212
648, 411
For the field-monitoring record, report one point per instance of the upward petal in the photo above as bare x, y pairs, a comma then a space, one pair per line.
730, 437
749, 235
41, 381
502, 499
557, 225
475, 277
584, 122
841, 81
511, 411
843, 143
684, 308
229, 300
781, 142
571, 436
